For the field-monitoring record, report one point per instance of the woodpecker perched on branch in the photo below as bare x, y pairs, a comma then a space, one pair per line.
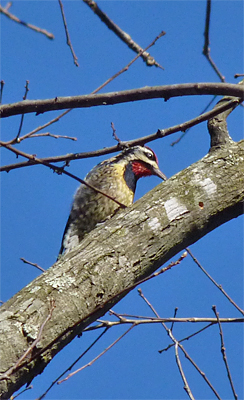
116, 177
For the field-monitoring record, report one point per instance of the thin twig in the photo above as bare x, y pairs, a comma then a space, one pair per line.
99, 355
67, 34
22, 391
175, 312
33, 27
33, 264
187, 337
181, 347
8, 5
71, 366
22, 116
108, 150
45, 125
47, 134
1, 90
7, 374
59, 171
187, 130
186, 385
224, 352
115, 135
176, 344
214, 282
121, 34
206, 48
150, 320
124, 69
157, 273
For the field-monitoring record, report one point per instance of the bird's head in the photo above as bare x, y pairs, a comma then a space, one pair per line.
143, 162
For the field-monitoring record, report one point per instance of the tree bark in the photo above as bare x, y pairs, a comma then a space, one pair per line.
89, 280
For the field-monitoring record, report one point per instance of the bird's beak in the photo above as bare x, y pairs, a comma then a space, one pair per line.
160, 174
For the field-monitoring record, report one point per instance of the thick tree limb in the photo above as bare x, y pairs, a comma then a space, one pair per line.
165, 92
89, 280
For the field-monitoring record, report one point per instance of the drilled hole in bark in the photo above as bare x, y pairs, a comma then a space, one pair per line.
201, 205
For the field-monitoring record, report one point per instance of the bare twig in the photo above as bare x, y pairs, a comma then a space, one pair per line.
175, 312
22, 391
59, 171
224, 352
99, 355
157, 273
140, 141
214, 282
176, 344
33, 264
186, 385
45, 125
47, 134
33, 27
121, 34
67, 34
185, 132
115, 135
72, 365
188, 337
7, 374
152, 320
8, 5
206, 48
22, 116
181, 347
1, 90
142, 51
238, 75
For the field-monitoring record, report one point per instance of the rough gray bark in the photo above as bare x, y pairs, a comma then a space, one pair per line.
88, 281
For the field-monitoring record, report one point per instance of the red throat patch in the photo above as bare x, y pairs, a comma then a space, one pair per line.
140, 169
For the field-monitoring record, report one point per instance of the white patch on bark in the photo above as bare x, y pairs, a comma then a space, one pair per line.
154, 224
209, 186
174, 209
123, 261
61, 283
205, 183
35, 289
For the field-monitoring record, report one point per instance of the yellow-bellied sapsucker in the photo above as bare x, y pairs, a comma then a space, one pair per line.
116, 177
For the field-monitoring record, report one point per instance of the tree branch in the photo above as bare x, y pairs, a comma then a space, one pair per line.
68, 41
89, 280
139, 141
19, 21
104, 99
122, 34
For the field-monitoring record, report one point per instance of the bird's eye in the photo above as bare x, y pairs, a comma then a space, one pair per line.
151, 156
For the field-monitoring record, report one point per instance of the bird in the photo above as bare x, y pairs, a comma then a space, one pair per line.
116, 177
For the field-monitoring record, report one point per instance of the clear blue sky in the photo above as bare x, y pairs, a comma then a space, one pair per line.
35, 202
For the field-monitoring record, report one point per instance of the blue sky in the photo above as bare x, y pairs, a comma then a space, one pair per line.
35, 202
